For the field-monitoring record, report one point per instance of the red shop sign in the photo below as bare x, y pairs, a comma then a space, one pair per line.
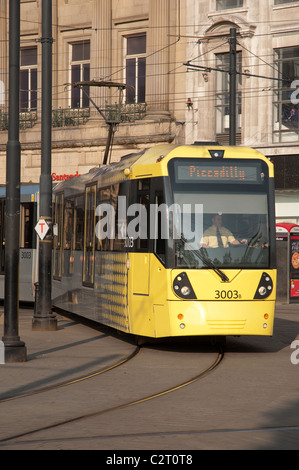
64, 177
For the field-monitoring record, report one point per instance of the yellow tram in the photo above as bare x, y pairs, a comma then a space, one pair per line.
173, 241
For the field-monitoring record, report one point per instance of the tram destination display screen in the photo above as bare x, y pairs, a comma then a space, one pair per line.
188, 171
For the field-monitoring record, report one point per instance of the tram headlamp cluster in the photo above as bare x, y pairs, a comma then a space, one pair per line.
265, 287
182, 287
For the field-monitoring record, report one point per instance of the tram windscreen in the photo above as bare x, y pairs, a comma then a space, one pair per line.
220, 213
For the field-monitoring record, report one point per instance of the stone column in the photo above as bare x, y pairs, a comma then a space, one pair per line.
101, 50
4, 52
157, 63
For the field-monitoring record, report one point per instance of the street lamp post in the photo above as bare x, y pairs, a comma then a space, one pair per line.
15, 349
233, 86
43, 318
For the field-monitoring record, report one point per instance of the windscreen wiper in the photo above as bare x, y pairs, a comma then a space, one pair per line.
256, 237
206, 260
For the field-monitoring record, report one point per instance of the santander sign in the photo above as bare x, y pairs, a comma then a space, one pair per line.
64, 177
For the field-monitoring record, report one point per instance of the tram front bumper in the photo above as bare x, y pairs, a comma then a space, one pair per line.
215, 318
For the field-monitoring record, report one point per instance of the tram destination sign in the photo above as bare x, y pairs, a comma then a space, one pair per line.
222, 172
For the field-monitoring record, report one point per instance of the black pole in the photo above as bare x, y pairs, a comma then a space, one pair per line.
233, 87
108, 143
43, 318
15, 350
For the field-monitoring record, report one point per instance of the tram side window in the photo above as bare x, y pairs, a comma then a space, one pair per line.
111, 224
103, 240
89, 236
144, 199
68, 242
120, 242
116, 243
159, 243
79, 222
138, 220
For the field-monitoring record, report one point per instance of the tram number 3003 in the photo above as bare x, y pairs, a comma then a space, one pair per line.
26, 255
227, 294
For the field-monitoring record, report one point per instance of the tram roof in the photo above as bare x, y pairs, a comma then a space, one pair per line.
149, 162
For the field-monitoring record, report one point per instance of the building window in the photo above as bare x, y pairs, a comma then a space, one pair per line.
227, 4
28, 79
136, 68
222, 93
279, 2
286, 65
286, 171
80, 71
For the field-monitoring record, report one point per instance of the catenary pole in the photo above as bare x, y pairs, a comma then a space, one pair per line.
233, 87
15, 349
43, 318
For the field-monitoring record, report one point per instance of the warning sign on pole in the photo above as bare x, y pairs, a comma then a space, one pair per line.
42, 228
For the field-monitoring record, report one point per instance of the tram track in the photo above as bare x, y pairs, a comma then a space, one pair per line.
149, 435
89, 376
85, 416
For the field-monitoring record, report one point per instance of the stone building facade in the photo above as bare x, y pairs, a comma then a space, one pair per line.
137, 43
267, 85
146, 44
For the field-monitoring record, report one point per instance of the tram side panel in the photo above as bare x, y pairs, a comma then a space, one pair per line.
68, 293
111, 290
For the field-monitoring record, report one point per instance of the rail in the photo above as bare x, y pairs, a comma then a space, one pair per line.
27, 119
70, 117
125, 112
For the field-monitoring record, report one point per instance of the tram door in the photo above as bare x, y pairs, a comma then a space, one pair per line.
140, 245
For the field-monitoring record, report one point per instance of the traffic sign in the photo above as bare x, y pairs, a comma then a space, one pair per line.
42, 228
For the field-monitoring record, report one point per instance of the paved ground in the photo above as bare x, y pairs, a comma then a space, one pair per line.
249, 402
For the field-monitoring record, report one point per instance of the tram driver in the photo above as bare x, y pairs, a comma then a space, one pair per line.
218, 236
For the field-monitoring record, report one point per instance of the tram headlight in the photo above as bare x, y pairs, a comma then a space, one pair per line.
265, 287
185, 290
262, 291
